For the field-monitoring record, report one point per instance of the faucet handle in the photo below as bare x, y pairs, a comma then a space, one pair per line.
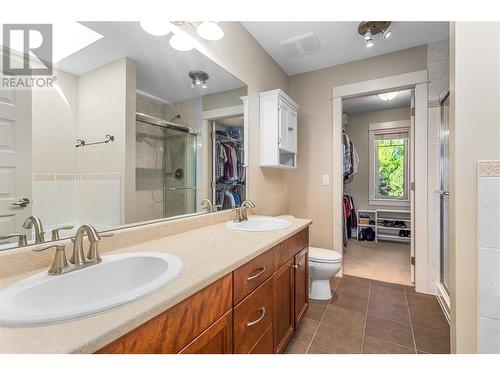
55, 232
21, 238
93, 254
60, 263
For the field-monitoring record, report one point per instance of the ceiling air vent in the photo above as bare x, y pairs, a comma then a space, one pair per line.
301, 45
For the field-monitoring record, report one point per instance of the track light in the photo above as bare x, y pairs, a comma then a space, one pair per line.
387, 34
368, 36
369, 43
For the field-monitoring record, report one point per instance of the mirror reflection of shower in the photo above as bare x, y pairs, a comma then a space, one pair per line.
165, 168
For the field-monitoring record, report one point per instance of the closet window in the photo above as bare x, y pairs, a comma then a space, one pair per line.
389, 175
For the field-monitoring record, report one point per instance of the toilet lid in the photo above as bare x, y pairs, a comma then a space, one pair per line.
324, 255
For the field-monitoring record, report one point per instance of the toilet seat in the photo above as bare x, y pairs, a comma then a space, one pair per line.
324, 256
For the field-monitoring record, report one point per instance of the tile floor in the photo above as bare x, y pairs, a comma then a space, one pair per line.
382, 260
372, 317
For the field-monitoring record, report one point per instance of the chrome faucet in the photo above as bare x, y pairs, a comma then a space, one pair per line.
207, 205
241, 212
35, 222
78, 257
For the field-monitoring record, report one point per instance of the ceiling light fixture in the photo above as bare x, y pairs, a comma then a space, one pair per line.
210, 30
368, 29
198, 78
388, 96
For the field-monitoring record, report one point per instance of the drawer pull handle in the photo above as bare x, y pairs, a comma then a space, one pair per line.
263, 313
261, 271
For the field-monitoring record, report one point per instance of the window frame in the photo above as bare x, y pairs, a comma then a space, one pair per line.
388, 128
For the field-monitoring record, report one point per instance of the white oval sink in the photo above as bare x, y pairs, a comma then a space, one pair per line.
117, 280
260, 224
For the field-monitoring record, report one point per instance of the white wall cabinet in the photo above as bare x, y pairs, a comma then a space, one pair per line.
278, 130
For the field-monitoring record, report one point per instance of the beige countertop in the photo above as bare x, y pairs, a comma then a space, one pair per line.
207, 254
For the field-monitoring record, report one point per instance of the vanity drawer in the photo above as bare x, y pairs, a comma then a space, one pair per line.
252, 317
286, 250
248, 277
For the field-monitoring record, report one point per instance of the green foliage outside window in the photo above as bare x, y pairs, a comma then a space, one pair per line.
391, 168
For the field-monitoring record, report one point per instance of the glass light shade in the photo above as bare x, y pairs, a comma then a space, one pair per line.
156, 27
210, 30
181, 43
388, 96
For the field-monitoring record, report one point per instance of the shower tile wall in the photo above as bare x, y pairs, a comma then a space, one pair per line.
438, 67
488, 203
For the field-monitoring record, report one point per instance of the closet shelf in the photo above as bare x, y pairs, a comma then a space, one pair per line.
393, 228
393, 238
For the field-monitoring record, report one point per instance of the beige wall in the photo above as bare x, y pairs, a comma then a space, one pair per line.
357, 130
239, 53
312, 91
224, 99
55, 122
475, 135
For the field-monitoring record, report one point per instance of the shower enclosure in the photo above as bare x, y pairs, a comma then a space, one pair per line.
444, 198
165, 169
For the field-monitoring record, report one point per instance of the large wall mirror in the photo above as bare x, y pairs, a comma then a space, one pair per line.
132, 131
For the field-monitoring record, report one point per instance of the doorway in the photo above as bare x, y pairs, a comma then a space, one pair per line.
377, 137
416, 81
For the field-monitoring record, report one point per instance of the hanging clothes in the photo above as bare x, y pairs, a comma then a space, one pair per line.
351, 157
230, 171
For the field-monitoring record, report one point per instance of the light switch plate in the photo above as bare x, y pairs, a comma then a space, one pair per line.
326, 180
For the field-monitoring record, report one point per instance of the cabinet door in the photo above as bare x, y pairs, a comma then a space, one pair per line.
283, 112
301, 270
284, 317
216, 339
292, 131
288, 128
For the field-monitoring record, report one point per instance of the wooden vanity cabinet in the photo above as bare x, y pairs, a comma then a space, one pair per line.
172, 330
217, 339
255, 310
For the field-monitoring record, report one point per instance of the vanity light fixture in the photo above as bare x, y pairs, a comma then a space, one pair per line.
181, 42
210, 30
156, 27
199, 78
368, 29
388, 96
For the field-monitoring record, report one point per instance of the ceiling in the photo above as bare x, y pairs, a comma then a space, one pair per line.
340, 41
372, 103
162, 72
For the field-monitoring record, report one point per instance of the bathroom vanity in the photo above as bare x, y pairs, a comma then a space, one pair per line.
254, 309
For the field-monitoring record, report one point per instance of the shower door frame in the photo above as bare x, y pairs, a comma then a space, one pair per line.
442, 290
155, 121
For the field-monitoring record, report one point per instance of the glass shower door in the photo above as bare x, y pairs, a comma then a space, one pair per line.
179, 171
444, 194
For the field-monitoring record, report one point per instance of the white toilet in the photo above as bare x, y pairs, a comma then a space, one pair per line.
323, 265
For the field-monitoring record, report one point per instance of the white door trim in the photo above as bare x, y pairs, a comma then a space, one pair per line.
415, 80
